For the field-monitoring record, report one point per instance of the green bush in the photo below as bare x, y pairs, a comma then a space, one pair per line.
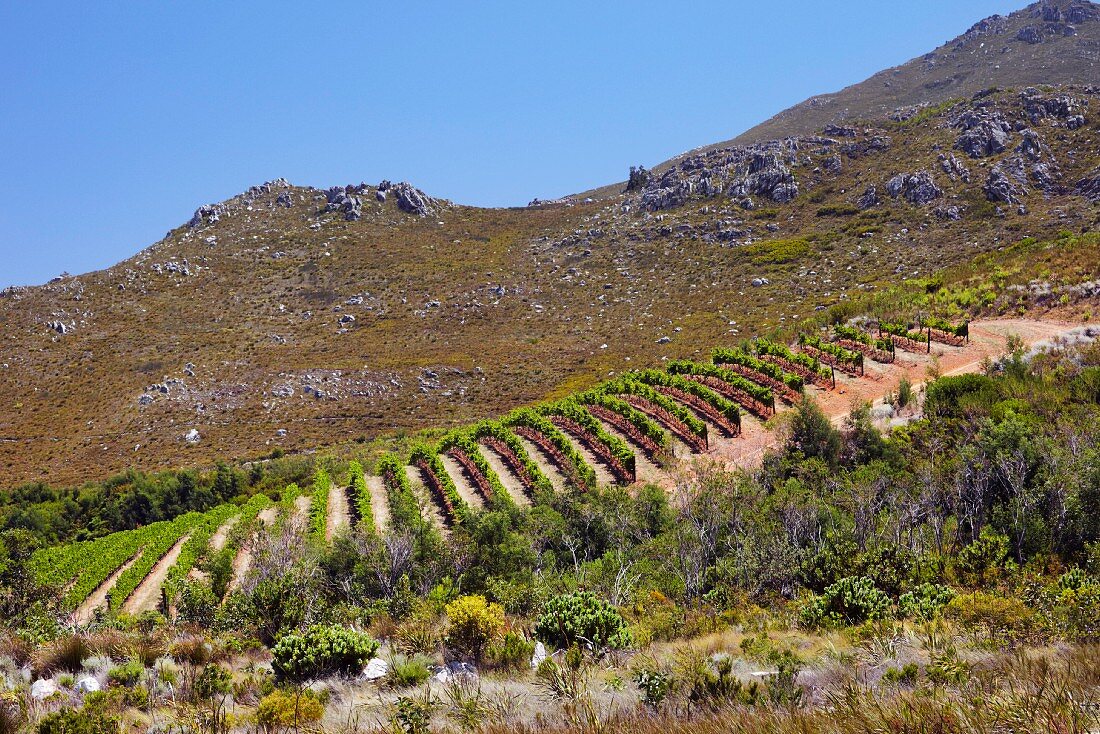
78, 721
654, 685
925, 602
980, 562
512, 652
322, 650
852, 600
905, 675
582, 618
127, 674
406, 671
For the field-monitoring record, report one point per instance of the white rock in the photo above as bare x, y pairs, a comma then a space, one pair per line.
43, 688
539, 656
87, 684
376, 668
192, 436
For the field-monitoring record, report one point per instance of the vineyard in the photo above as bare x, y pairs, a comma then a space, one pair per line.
654, 413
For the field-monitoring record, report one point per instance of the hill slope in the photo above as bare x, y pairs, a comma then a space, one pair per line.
1047, 43
293, 317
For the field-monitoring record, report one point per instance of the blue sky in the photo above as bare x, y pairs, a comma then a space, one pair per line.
118, 119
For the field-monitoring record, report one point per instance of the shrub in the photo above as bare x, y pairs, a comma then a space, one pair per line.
980, 562
512, 652
407, 671
997, 615
322, 650
654, 685
473, 624
78, 721
851, 600
281, 710
925, 602
127, 674
64, 653
905, 675
582, 618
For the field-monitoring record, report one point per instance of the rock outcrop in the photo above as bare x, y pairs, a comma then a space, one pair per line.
916, 188
984, 133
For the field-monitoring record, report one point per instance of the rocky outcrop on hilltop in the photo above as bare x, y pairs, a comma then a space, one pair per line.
739, 173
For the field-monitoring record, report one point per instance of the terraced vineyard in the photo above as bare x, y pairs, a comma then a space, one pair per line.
642, 416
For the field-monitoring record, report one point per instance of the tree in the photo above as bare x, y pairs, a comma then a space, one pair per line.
813, 435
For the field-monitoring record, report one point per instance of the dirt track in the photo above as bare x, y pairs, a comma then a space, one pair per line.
86, 611
147, 594
243, 559
337, 511
378, 502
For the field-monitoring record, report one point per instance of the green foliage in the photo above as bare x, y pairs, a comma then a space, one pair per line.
744, 359
198, 543
573, 410
628, 385
980, 562
645, 425
997, 615
440, 482
540, 484
463, 440
320, 651
79, 721
764, 346
842, 331
473, 623
852, 600
535, 421
902, 330
585, 619
713, 683
813, 434
318, 505
406, 671
925, 602
756, 392
728, 409
126, 674
404, 509
777, 252
654, 685
906, 675
842, 355
956, 396
513, 651
361, 495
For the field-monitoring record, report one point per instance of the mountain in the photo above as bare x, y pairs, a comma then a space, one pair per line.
1046, 43
291, 317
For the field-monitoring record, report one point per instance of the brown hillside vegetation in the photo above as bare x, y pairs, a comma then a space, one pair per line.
291, 317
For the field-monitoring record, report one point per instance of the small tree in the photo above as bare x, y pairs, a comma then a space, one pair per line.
813, 434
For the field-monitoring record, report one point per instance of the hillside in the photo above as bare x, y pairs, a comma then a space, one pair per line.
283, 319
1047, 43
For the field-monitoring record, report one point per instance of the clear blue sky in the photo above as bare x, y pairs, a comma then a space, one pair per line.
118, 119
